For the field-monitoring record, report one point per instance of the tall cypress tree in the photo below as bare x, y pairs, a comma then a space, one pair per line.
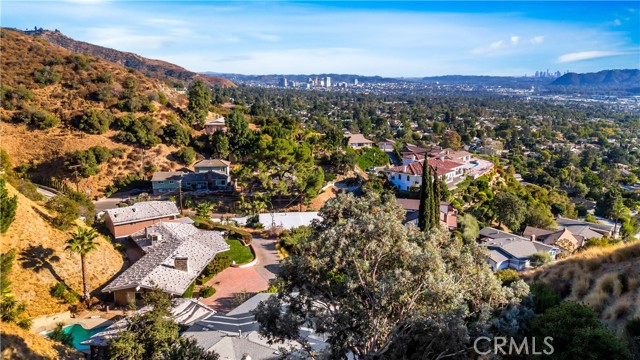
429, 211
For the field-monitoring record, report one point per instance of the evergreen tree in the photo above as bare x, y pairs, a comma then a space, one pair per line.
8, 207
199, 101
429, 211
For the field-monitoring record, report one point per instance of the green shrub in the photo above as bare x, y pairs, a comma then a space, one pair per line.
144, 131
507, 276
176, 134
14, 98
104, 77
539, 259
62, 292
8, 206
36, 118
67, 211
185, 155
79, 61
29, 189
217, 265
544, 296
207, 291
60, 336
47, 76
95, 121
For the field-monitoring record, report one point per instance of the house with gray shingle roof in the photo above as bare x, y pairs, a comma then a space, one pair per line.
236, 336
175, 254
510, 251
124, 221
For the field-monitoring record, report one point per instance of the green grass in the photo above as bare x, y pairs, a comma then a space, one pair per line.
239, 253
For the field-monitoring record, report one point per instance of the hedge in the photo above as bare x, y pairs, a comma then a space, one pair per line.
189, 292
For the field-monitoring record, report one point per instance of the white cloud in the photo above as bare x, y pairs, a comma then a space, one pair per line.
537, 40
588, 55
515, 40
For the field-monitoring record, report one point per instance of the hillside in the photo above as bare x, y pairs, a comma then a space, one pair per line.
606, 279
38, 77
157, 69
20, 344
41, 260
618, 78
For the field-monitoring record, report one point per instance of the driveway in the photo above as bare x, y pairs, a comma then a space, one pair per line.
253, 279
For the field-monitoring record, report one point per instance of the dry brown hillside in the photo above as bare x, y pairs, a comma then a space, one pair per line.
606, 279
20, 344
75, 85
153, 68
41, 260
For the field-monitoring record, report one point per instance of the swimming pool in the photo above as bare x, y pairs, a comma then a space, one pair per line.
81, 334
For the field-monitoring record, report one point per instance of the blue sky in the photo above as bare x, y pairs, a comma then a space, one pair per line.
369, 38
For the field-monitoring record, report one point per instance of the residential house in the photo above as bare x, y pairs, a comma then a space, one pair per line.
174, 256
586, 229
216, 165
358, 141
409, 176
235, 335
386, 145
563, 239
460, 156
510, 251
410, 149
213, 125
209, 175
185, 312
448, 214
125, 221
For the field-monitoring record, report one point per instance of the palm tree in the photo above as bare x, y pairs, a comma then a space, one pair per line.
83, 242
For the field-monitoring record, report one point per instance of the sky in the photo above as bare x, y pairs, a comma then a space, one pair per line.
400, 39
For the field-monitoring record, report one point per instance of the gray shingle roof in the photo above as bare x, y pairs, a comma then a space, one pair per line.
212, 163
166, 175
142, 211
156, 268
518, 247
185, 312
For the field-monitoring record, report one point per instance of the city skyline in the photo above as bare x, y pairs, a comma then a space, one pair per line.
406, 39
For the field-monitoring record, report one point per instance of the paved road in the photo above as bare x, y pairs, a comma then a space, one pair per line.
252, 279
46, 193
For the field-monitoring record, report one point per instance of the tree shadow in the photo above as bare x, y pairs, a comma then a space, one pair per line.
39, 258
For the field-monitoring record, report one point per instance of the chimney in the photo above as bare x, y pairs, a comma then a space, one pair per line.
181, 263
532, 237
146, 232
404, 168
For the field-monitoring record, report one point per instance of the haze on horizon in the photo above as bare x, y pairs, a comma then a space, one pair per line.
405, 39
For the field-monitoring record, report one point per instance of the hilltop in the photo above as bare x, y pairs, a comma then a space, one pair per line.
627, 77
56, 88
157, 69
605, 279
41, 260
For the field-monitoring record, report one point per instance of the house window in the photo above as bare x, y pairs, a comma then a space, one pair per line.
407, 177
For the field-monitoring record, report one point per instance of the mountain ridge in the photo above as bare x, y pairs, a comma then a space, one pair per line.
614, 77
159, 69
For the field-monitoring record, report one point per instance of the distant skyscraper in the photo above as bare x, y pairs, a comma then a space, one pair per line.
284, 82
355, 82
328, 81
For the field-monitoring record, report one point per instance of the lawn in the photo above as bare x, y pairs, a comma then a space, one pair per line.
239, 253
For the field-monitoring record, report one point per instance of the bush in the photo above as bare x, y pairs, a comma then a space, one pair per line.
47, 76
79, 61
95, 121
36, 118
8, 206
544, 296
88, 161
175, 134
14, 98
67, 211
60, 336
28, 189
144, 131
104, 77
185, 155
207, 291
62, 292
539, 259
507, 276
289, 239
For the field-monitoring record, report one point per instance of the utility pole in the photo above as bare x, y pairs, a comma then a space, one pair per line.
180, 192
142, 165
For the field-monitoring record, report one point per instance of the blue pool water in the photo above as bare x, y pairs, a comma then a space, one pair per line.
81, 334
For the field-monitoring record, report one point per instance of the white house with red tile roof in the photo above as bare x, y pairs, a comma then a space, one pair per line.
404, 177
